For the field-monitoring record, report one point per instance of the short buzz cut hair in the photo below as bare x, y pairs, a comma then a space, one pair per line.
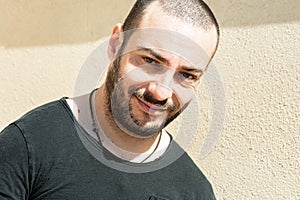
194, 12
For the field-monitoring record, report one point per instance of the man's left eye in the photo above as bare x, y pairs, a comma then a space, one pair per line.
188, 76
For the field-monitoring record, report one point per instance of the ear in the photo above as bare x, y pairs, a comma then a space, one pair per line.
115, 41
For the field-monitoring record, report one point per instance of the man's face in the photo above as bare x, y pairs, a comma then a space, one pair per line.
157, 73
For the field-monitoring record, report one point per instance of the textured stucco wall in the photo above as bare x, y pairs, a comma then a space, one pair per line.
44, 43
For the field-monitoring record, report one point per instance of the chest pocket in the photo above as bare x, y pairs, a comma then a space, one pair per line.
155, 197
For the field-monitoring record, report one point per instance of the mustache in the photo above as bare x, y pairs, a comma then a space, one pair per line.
148, 97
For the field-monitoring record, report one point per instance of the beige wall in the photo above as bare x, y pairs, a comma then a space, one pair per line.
44, 43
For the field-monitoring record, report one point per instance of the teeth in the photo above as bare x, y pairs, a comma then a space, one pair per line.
152, 86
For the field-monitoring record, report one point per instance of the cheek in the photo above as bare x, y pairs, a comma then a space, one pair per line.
183, 95
132, 71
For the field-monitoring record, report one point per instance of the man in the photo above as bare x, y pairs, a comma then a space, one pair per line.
110, 144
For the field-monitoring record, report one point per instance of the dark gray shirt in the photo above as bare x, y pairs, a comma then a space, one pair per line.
47, 155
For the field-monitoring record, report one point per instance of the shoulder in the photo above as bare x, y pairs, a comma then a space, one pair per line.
43, 120
46, 126
189, 175
187, 164
50, 112
40, 118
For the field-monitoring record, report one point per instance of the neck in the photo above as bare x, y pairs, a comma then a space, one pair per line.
117, 136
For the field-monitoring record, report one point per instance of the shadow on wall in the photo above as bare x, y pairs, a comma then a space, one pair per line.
38, 23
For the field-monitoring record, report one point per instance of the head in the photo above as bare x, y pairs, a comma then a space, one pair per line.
157, 58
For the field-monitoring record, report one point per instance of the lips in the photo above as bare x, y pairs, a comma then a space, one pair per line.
150, 108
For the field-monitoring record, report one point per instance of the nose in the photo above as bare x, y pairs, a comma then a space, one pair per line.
159, 91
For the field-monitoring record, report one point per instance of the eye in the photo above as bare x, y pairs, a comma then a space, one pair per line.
149, 60
188, 76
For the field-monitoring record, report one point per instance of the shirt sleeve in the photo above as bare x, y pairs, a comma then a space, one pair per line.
14, 164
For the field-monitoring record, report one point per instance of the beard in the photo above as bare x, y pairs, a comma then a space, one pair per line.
121, 110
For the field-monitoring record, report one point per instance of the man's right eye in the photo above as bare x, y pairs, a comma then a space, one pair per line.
149, 60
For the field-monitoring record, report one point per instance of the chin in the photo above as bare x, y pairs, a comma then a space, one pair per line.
141, 129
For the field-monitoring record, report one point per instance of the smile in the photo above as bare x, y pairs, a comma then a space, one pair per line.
150, 108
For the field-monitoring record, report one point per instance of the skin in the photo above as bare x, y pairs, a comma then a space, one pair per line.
156, 78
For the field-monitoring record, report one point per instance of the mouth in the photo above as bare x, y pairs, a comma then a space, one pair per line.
149, 108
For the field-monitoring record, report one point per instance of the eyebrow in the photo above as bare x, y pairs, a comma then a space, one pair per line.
164, 60
190, 69
153, 53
